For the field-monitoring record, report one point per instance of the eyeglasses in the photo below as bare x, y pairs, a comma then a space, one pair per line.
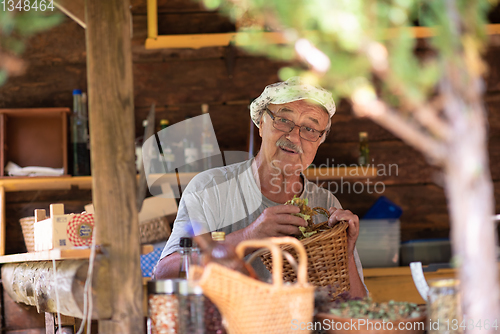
287, 126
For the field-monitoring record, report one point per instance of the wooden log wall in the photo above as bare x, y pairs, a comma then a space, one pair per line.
178, 81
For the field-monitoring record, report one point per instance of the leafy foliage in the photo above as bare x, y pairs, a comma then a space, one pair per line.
18, 25
364, 39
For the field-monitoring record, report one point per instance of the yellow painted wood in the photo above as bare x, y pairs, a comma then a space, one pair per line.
196, 41
152, 19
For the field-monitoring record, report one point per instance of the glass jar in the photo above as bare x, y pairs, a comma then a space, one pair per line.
444, 307
213, 318
191, 308
163, 306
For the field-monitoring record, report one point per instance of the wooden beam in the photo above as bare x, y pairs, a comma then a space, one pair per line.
114, 184
75, 9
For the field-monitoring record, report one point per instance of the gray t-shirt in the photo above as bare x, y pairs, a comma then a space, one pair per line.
229, 199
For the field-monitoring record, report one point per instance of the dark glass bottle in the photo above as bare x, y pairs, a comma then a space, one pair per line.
364, 152
79, 134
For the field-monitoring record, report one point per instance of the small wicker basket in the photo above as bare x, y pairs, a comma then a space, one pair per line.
249, 306
326, 257
154, 230
28, 227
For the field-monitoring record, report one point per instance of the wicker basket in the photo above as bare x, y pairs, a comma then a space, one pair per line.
327, 259
249, 306
27, 224
154, 230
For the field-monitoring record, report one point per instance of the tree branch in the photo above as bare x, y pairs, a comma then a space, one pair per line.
380, 112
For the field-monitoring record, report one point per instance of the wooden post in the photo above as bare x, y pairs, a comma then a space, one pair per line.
111, 116
3, 222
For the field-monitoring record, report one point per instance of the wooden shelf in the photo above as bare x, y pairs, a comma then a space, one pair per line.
58, 254
85, 182
45, 183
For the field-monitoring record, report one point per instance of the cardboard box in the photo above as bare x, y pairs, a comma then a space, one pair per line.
61, 230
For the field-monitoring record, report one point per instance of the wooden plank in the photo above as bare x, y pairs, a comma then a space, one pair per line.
46, 183
75, 9
196, 41
111, 113
59, 254
152, 19
202, 81
3, 222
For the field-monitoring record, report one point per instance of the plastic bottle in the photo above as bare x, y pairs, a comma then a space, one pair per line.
79, 134
185, 252
364, 152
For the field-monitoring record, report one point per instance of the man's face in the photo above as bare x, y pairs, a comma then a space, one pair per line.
288, 151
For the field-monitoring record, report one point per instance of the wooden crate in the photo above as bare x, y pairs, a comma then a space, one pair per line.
34, 137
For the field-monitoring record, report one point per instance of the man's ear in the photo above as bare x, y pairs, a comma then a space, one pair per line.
260, 126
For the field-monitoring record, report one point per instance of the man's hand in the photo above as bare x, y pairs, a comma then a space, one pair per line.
337, 215
275, 221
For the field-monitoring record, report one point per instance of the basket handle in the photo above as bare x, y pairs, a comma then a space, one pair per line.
271, 244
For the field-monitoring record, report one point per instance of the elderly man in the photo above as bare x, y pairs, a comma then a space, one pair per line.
246, 200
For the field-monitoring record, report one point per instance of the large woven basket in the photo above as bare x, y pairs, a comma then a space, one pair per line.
326, 257
249, 306
154, 230
27, 225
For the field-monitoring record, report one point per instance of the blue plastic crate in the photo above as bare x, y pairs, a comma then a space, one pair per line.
383, 208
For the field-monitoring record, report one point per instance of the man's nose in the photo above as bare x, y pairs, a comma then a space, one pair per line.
294, 135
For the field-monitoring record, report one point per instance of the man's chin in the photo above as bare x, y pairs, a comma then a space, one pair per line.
289, 169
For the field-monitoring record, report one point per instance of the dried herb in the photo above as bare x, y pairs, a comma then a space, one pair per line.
366, 308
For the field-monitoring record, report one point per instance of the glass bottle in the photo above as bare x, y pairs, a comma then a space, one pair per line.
214, 249
213, 317
166, 149
185, 252
190, 149
191, 308
364, 152
139, 140
79, 133
207, 148
86, 117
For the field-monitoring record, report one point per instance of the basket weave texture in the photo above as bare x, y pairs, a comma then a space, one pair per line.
249, 306
326, 257
28, 227
154, 230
